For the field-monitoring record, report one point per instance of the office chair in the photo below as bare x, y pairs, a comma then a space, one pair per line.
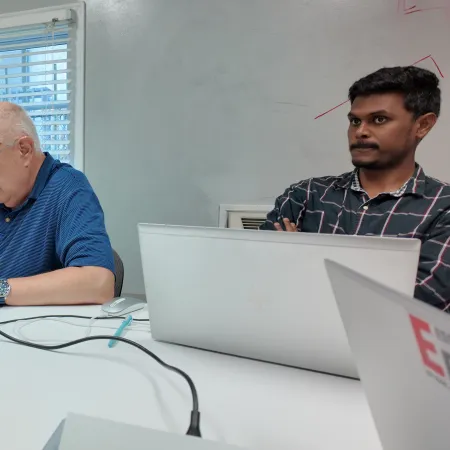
118, 265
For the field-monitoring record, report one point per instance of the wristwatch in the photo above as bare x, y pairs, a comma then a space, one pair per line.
5, 289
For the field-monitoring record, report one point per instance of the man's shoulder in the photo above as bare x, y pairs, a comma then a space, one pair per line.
438, 191
67, 180
342, 180
432, 183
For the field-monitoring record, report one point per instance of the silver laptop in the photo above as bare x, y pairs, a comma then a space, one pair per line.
261, 294
78, 432
402, 350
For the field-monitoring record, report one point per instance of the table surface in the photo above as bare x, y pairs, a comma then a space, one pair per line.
247, 403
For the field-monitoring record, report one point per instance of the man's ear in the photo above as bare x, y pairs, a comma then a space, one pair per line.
424, 124
26, 146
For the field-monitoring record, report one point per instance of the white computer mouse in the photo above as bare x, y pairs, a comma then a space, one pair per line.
123, 305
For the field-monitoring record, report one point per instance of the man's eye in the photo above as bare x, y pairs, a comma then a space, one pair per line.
355, 122
379, 120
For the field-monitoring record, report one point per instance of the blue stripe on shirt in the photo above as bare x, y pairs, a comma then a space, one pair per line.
61, 224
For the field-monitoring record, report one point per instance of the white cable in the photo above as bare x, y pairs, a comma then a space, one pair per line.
138, 326
94, 318
90, 323
19, 330
20, 333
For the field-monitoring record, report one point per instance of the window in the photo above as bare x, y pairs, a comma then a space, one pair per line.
42, 70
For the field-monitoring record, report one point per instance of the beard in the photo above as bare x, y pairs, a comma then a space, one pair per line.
375, 160
369, 165
365, 155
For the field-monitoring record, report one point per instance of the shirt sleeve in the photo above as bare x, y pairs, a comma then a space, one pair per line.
433, 277
81, 233
290, 205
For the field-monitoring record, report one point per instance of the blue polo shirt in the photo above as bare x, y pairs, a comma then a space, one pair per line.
60, 224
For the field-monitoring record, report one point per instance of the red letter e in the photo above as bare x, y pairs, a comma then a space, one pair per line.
425, 346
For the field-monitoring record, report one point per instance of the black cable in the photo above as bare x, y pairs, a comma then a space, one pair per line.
69, 316
194, 425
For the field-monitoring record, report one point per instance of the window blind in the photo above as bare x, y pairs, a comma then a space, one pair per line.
35, 73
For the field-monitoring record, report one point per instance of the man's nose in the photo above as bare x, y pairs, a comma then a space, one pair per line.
362, 132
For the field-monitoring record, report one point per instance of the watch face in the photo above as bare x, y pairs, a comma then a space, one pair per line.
4, 288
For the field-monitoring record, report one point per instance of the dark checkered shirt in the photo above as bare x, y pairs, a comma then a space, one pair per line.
339, 205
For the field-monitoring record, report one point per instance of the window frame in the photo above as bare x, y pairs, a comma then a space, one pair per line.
41, 15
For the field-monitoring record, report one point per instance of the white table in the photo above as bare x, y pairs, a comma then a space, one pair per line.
246, 403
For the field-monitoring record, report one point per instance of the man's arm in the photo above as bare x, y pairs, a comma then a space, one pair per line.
85, 253
289, 208
72, 285
433, 277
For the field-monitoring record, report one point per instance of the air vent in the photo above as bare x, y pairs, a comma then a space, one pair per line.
252, 223
248, 217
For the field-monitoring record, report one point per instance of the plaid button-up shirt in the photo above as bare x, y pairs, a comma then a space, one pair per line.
339, 205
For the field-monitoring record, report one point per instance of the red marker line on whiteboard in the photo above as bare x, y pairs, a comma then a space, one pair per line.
401, 5
332, 109
437, 67
420, 60
425, 9
413, 64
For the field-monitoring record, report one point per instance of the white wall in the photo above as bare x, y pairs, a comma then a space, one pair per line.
193, 103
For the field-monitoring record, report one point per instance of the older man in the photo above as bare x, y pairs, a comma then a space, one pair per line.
54, 248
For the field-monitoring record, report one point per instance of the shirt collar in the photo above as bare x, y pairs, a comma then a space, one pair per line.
415, 185
42, 177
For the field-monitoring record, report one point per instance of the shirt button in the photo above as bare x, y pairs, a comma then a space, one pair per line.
365, 207
8, 219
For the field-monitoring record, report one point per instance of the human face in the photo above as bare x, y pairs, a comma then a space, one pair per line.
13, 173
382, 134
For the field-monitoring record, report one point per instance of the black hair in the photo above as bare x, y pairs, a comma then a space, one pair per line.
420, 88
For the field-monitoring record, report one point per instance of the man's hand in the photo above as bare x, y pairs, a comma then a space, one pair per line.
290, 227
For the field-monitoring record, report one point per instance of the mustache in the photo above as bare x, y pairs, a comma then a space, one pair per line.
360, 144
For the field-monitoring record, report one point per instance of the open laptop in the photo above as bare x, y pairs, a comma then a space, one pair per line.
402, 350
77, 432
262, 294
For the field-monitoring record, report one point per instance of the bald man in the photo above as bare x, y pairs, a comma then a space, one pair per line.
54, 248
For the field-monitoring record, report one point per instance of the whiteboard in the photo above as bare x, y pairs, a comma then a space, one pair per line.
371, 35
235, 86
